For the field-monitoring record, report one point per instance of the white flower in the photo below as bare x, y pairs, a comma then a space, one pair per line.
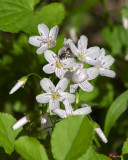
54, 94
81, 76
56, 65
125, 22
20, 123
104, 64
82, 53
69, 110
47, 39
21, 82
101, 134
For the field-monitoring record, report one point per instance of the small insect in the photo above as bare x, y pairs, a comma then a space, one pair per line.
64, 53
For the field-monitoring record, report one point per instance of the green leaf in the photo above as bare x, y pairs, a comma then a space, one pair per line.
30, 148
71, 138
92, 155
7, 135
19, 15
125, 150
115, 110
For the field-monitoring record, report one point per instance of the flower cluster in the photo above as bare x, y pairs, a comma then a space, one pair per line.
68, 66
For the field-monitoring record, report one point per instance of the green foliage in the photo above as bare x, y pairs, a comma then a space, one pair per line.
19, 15
125, 12
7, 135
92, 155
125, 150
116, 109
30, 148
71, 138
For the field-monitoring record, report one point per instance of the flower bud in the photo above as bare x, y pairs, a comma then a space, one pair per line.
20, 123
21, 82
101, 134
79, 75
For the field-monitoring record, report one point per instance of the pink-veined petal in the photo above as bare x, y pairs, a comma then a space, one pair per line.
92, 73
59, 72
93, 52
62, 85
82, 43
43, 98
47, 85
73, 48
68, 107
65, 95
53, 32
82, 111
73, 88
49, 68
78, 65
69, 62
86, 86
53, 104
60, 112
43, 30
50, 56
42, 49
107, 73
90, 61
35, 41
107, 61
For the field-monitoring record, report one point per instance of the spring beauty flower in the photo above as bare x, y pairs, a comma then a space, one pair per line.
81, 76
104, 64
47, 39
20, 123
70, 112
56, 65
54, 95
82, 53
21, 82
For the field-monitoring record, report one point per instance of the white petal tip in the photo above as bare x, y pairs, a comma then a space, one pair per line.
101, 134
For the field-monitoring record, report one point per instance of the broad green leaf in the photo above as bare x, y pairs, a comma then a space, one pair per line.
125, 150
71, 138
19, 15
7, 135
92, 155
115, 110
30, 149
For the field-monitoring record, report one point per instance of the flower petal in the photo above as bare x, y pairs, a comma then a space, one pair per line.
59, 72
73, 48
53, 104
60, 112
68, 107
50, 56
93, 52
78, 65
18, 85
82, 43
62, 85
73, 88
43, 98
65, 95
49, 68
42, 49
102, 54
35, 41
86, 86
107, 61
107, 73
92, 73
69, 62
43, 30
53, 32
82, 111
66, 42
90, 61
47, 85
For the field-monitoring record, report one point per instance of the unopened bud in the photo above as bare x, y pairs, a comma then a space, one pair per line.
21, 82
101, 134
